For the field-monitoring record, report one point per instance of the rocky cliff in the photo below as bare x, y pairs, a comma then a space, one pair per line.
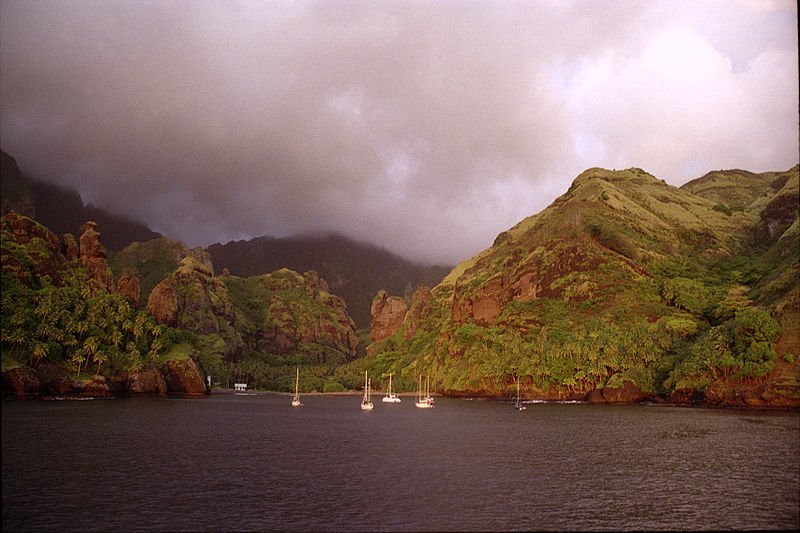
388, 313
294, 314
282, 313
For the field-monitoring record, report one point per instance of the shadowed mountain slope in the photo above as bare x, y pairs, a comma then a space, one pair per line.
355, 271
62, 210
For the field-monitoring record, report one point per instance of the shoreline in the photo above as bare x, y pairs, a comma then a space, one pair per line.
531, 401
226, 392
410, 395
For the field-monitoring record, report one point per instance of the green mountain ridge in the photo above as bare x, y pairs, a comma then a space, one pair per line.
624, 280
355, 271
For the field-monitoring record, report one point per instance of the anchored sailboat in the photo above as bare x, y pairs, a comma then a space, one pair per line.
366, 402
390, 396
424, 401
296, 397
518, 404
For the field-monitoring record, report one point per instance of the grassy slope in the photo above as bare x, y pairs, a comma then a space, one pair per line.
603, 253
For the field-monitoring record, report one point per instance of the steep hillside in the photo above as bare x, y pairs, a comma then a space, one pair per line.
15, 192
151, 261
734, 189
354, 271
63, 211
623, 287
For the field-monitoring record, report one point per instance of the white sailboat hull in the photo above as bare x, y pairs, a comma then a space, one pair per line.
390, 396
366, 402
424, 401
296, 397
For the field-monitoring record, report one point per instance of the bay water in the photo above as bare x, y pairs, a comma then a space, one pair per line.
251, 462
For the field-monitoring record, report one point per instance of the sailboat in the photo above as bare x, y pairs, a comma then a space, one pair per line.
424, 401
428, 397
296, 397
518, 404
390, 396
366, 402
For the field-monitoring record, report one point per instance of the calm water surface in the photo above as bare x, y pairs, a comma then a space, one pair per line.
236, 463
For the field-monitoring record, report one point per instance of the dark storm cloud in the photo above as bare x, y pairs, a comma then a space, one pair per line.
424, 127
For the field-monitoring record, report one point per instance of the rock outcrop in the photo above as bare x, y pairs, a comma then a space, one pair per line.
758, 394
388, 313
129, 287
184, 378
418, 311
145, 381
55, 379
93, 256
627, 393
96, 387
21, 382
174, 378
162, 303
70, 247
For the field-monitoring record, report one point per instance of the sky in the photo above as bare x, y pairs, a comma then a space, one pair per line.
423, 127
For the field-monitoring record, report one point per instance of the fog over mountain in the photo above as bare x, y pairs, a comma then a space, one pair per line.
423, 127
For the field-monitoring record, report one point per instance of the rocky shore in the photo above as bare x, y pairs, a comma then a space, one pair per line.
173, 378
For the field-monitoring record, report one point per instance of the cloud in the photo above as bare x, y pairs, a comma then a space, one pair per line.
426, 128
678, 109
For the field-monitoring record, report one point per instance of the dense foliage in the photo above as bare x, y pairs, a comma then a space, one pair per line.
57, 315
355, 271
68, 324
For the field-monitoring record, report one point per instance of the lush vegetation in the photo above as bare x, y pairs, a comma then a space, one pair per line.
68, 324
623, 278
61, 317
150, 261
355, 271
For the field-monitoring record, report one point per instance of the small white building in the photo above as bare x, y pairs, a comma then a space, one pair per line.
240, 386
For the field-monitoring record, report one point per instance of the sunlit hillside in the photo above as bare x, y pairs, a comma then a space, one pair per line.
624, 278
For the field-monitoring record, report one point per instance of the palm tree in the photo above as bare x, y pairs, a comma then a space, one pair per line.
99, 358
77, 359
